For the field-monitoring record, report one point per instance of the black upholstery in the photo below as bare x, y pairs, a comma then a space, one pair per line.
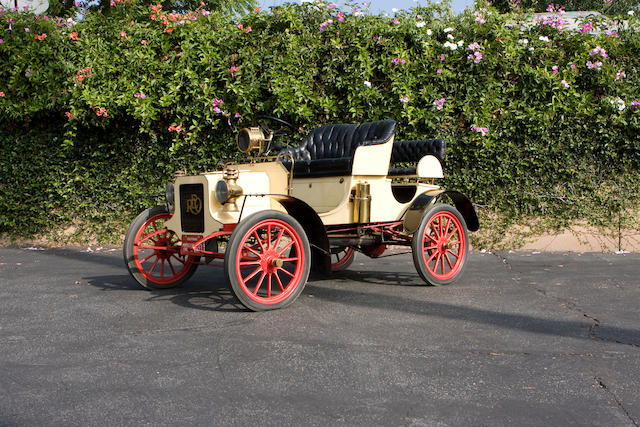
413, 151
329, 150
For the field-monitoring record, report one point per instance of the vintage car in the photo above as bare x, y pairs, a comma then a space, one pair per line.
273, 219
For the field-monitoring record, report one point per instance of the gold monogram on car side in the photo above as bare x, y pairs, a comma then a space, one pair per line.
194, 205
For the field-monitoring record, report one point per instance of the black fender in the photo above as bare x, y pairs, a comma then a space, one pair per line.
413, 215
313, 226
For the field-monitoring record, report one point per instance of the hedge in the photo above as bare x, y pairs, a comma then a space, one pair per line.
541, 122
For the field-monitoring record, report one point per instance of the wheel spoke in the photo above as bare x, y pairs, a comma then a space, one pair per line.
448, 261
154, 265
171, 266
457, 255
269, 286
251, 250
250, 262
278, 280
457, 242
275, 246
268, 236
435, 266
255, 233
289, 259
162, 269
442, 262
430, 247
246, 279
286, 247
144, 260
179, 260
287, 272
255, 292
431, 257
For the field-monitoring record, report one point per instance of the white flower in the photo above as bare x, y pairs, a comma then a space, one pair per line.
450, 45
618, 103
630, 13
429, 32
460, 43
420, 24
394, 10
367, 83
448, 30
531, 49
543, 39
523, 41
450, 36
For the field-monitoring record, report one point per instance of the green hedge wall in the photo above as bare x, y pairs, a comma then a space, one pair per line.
541, 122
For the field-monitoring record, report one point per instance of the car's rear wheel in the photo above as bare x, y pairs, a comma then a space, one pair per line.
152, 253
268, 260
440, 245
342, 257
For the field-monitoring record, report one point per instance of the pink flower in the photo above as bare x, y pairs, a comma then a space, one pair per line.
599, 51
135, 95
143, 42
1, 94
205, 12
404, 99
586, 27
476, 56
479, 18
439, 103
635, 104
395, 21
143, 96
73, 36
439, 71
573, 66
325, 24
555, 69
620, 75
237, 115
26, 30
217, 110
480, 130
597, 65
233, 69
441, 58
217, 102
340, 16
474, 46
565, 84
112, 3
123, 34
1, 41
331, 6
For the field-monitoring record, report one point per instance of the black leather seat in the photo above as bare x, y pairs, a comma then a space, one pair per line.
413, 151
329, 150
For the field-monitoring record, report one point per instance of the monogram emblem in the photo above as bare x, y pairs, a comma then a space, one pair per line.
194, 205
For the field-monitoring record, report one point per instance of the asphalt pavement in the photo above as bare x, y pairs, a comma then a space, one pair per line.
522, 339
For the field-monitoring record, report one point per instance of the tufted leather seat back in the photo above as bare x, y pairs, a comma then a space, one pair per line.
329, 150
412, 151
338, 141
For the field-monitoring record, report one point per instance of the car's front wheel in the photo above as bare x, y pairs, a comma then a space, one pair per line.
152, 253
440, 245
267, 261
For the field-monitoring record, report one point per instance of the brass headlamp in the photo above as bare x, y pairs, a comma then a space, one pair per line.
250, 139
227, 189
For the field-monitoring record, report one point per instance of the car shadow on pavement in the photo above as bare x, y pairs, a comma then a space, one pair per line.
202, 292
391, 278
586, 329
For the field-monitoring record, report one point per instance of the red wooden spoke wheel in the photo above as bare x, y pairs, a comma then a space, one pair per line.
152, 253
342, 258
440, 245
268, 260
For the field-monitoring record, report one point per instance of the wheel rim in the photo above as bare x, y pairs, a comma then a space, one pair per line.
157, 254
342, 257
443, 245
270, 261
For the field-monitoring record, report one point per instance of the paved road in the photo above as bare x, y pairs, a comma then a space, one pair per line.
522, 339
